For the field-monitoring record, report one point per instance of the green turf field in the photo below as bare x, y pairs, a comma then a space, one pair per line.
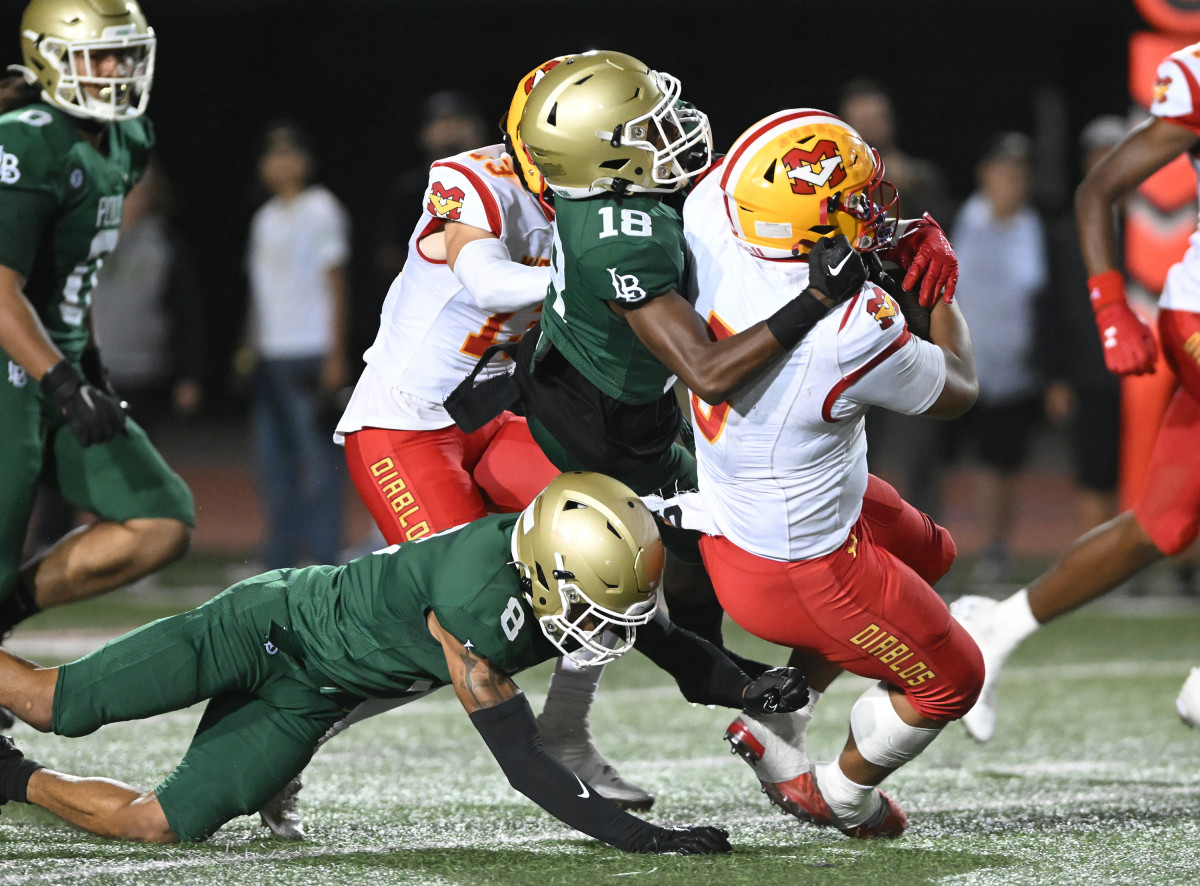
1091, 779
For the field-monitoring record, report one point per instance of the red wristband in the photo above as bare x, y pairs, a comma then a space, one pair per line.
1106, 289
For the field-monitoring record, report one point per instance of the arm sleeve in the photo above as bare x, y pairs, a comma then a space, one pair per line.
511, 734
704, 673
494, 281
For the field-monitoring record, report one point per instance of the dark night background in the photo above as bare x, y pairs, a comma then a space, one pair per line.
355, 72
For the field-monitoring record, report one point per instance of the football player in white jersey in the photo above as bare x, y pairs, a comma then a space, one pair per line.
475, 276
805, 549
1165, 519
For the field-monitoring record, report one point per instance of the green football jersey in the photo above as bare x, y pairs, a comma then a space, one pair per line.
363, 624
61, 202
625, 250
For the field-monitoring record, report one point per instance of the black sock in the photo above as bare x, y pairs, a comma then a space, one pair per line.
15, 771
18, 607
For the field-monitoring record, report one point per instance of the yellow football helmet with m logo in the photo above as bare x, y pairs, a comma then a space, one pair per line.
801, 175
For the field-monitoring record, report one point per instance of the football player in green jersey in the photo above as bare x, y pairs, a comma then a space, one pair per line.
74, 142
283, 656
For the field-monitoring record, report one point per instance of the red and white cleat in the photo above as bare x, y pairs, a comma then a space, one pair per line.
801, 796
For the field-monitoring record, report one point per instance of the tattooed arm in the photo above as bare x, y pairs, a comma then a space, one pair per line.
503, 717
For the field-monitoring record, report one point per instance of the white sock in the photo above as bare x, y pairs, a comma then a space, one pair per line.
1014, 621
850, 802
783, 738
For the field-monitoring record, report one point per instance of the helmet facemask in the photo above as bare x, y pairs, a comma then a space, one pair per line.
675, 134
585, 632
875, 207
93, 59
591, 559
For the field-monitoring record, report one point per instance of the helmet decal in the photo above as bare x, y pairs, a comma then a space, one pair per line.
820, 167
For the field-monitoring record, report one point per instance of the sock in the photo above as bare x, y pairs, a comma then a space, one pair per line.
15, 771
17, 607
1014, 621
851, 803
568, 701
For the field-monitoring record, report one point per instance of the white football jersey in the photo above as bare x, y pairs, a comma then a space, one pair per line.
783, 465
1177, 99
431, 332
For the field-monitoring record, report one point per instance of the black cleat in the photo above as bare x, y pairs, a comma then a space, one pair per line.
7, 720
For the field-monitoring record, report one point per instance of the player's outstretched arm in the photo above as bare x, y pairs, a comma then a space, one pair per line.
504, 719
1129, 345
674, 333
706, 675
495, 282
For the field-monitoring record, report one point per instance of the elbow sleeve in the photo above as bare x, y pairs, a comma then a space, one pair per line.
494, 281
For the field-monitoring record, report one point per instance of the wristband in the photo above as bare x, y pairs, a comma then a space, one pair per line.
1106, 289
794, 320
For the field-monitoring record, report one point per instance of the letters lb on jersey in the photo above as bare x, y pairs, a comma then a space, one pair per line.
624, 250
364, 624
61, 202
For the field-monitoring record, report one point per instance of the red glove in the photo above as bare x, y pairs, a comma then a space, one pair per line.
1129, 345
927, 257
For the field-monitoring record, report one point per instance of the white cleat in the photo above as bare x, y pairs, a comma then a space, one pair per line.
1188, 702
977, 616
579, 753
282, 812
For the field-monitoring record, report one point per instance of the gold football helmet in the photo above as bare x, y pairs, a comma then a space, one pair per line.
603, 121
65, 44
512, 142
591, 559
801, 175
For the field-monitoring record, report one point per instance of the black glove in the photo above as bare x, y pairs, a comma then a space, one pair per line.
698, 840
778, 691
94, 371
915, 316
835, 270
93, 416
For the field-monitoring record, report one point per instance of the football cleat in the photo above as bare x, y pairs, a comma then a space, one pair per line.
282, 812
977, 616
1188, 702
582, 757
772, 745
7, 721
801, 797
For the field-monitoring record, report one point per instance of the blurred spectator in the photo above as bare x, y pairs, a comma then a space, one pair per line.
903, 448
150, 321
1082, 395
297, 257
1001, 250
450, 124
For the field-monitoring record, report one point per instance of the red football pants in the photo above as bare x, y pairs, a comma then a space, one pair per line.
416, 483
864, 607
1169, 505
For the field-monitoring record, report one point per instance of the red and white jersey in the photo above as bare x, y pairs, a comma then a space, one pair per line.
1177, 99
783, 465
431, 332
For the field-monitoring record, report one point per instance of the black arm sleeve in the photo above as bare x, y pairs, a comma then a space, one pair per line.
511, 734
796, 319
704, 673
